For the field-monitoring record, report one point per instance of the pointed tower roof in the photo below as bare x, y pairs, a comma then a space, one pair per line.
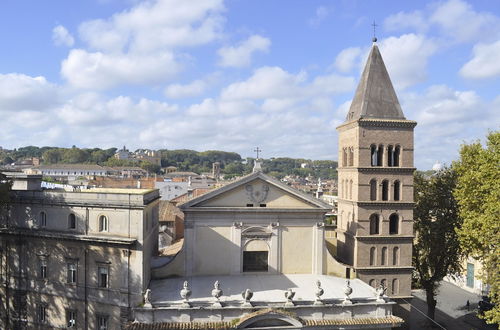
375, 97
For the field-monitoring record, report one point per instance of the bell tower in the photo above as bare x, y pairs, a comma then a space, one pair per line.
375, 173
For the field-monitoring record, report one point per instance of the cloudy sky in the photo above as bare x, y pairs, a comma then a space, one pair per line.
210, 74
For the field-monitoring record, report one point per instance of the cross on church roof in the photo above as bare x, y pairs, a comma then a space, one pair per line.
374, 31
257, 150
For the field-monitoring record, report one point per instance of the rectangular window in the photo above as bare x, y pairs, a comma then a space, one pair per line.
42, 313
71, 318
42, 270
72, 271
102, 275
102, 322
255, 261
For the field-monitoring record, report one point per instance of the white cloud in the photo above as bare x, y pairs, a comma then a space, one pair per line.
485, 62
461, 22
320, 15
62, 37
142, 45
156, 25
406, 58
402, 20
347, 59
100, 70
446, 118
178, 91
241, 55
22, 92
456, 20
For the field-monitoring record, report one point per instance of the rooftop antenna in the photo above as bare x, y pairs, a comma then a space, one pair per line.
374, 39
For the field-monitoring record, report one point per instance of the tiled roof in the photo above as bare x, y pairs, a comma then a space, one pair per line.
168, 211
392, 321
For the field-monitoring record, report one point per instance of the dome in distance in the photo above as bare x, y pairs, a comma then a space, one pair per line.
437, 167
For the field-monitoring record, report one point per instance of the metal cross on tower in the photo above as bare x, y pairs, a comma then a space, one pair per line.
257, 150
374, 31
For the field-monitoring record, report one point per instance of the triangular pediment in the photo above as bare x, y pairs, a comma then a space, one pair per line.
256, 190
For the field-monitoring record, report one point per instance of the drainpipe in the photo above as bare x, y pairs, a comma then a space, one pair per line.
86, 288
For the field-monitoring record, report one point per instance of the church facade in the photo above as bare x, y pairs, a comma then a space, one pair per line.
254, 256
375, 205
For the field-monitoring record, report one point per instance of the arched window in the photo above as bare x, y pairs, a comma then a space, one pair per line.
351, 156
393, 224
383, 283
397, 189
348, 220
395, 256
43, 219
71, 221
373, 155
373, 283
374, 224
384, 256
344, 157
395, 286
103, 223
380, 156
385, 190
390, 156
397, 155
350, 189
373, 255
373, 190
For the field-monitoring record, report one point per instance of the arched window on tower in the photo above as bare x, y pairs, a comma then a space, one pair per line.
397, 155
397, 190
373, 155
373, 283
344, 157
351, 156
390, 156
395, 256
373, 254
384, 256
383, 283
380, 155
385, 190
350, 189
373, 190
395, 286
103, 223
393, 224
374, 224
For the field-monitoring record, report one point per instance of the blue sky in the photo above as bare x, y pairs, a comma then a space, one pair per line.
232, 75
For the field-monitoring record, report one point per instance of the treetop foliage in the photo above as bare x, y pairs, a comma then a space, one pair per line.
478, 196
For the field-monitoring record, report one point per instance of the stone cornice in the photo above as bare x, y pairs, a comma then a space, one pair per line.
102, 240
378, 169
250, 210
400, 123
385, 237
383, 269
393, 204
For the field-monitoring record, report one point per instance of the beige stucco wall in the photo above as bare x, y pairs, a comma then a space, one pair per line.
297, 245
213, 250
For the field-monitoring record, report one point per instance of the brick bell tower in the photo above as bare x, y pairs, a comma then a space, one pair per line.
375, 205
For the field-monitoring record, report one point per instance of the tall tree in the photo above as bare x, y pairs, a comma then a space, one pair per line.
478, 195
436, 251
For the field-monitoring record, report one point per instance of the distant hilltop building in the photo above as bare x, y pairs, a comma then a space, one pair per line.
147, 155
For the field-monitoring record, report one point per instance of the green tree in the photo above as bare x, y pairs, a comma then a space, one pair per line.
478, 195
436, 251
52, 156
